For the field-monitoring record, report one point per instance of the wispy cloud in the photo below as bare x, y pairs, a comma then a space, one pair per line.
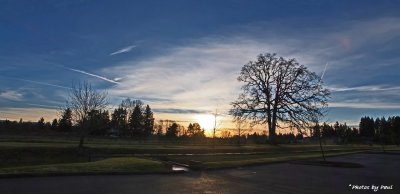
202, 73
123, 50
91, 74
365, 105
177, 111
370, 88
11, 95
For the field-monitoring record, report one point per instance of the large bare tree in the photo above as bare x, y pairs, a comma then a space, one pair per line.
84, 101
279, 93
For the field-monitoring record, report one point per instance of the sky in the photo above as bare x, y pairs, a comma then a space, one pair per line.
183, 57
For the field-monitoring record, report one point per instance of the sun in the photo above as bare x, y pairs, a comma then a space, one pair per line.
206, 121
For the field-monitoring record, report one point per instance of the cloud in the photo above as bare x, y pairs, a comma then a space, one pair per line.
123, 50
365, 105
202, 73
370, 88
11, 95
91, 74
177, 111
199, 75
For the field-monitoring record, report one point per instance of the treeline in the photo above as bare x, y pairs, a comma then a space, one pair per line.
339, 133
382, 130
370, 130
131, 119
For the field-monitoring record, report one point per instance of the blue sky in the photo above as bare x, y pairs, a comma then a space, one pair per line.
183, 57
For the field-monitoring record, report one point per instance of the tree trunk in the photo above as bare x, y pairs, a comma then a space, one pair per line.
81, 141
272, 136
320, 146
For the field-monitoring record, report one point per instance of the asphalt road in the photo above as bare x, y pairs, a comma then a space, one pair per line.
379, 170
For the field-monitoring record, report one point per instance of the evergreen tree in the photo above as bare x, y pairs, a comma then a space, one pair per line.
99, 122
119, 120
136, 122
148, 121
65, 123
366, 127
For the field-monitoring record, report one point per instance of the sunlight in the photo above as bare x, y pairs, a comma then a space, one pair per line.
206, 121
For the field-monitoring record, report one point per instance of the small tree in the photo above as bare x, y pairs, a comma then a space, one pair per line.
172, 131
83, 100
54, 125
41, 123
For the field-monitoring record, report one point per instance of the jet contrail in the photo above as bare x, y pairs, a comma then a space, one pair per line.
323, 73
123, 50
37, 82
91, 74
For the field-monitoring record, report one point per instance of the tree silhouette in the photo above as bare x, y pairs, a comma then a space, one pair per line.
83, 100
54, 124
278, 91
119, 120
172, 130
194, 130
65, 123
41, 123
148, 121
136, 121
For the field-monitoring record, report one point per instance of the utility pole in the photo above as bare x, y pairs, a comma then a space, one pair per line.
215, 123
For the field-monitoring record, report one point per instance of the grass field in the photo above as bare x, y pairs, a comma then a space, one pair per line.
40, 155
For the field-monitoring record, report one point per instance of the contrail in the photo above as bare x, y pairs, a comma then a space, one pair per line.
91, 74
123, 50
323, 73
37, 82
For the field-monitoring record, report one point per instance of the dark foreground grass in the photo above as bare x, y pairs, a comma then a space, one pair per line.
125, 165
229, 161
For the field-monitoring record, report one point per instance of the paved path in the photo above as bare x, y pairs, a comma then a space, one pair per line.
275, 178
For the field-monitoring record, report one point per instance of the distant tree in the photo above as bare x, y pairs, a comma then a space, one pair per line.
327, 131
194, 130
84, 100
41, 123
172, 131
226, 134
136, 122
54, 125
277, 91
395, 127
99, 121
159, 130
119, 120
65, 123
148, 121
366, 127
129, 105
